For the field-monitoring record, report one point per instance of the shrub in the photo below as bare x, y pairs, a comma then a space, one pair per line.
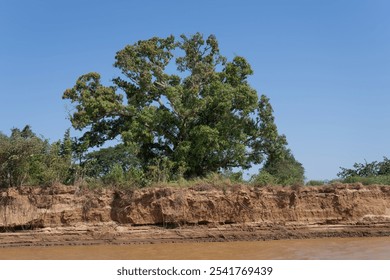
136, 177
234, 177
315, 183
367, 169
285, 169
18, 152
264, 179
115, 176
379, 180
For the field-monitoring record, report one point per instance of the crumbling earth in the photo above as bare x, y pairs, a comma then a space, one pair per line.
69, 215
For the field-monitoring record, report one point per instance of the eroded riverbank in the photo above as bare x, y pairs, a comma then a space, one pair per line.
66, 215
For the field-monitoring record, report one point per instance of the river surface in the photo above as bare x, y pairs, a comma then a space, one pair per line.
314, 249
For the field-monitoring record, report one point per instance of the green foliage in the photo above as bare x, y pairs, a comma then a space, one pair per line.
281, 167
366, 169
264, 179
201, 122
55, 166
160, 170
367, 173
234, 177
315, 183
273, 144
116, 176
18, 152
137, 178
99, 163
285, 169
28, 159
114, 166
205, 118
373, 180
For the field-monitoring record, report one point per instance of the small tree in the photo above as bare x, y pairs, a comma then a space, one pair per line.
26, 158
280, 166
285, 169
17, 153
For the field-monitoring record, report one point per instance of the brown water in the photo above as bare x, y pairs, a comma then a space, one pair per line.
332, 248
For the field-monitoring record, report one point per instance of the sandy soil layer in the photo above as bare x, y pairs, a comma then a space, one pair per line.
67, 215
113, 234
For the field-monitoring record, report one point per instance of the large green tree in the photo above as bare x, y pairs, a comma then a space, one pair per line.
182, 104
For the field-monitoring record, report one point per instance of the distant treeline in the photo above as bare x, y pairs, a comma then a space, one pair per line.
368, 173
27, 159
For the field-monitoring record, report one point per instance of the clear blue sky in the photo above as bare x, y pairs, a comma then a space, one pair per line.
324, 64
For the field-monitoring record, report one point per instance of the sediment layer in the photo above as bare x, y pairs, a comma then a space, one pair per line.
66, 215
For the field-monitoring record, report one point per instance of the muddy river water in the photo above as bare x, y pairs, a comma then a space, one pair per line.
330, 248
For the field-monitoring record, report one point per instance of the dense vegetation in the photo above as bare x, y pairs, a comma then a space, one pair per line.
26, 158
367, 173
180, 111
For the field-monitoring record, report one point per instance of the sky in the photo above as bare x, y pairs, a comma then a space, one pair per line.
325, 65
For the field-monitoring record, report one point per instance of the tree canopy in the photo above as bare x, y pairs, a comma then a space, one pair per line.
181, 106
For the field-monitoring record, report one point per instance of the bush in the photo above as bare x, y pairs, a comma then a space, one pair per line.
136, 177
373, 180
28, 159
367, 169
315, 183
285, 169
234, 177
18, 152
115, 177
264, 179
99, 163
161, 170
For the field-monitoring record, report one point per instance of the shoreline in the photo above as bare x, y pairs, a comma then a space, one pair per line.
84, 235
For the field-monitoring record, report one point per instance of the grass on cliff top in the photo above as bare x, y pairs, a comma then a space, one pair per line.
373, 180
221, 181
213, 180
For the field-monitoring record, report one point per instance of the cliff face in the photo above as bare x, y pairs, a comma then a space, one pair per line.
59, 206
30, 207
